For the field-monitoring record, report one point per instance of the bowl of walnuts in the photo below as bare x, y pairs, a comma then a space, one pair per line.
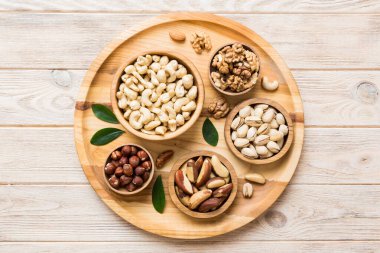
234, 69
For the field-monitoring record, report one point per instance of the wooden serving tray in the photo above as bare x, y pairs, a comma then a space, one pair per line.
138, 209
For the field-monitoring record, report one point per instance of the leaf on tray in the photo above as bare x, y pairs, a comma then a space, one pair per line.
210, 134
102, 112
158, 195
105, 136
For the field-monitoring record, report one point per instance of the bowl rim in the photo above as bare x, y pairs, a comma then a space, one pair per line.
127, 193
191, 70
230, 93
253, 101
171, 185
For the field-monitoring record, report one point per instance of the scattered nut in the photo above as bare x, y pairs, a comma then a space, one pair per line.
200, 42
163, 158
256, 178
219, 108
247, 190
177, 36
235, 68
271, 86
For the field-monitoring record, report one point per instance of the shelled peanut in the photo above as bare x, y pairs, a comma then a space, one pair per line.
203, 184
157, 94
259, 131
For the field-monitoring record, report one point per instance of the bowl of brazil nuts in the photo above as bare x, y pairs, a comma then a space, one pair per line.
234, 69
157, 95
259, 131
128, 169
202, 184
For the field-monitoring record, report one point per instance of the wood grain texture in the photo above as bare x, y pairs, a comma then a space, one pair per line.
43, 164
74, 213
67, 41
96, 88
189, 247
331, 98
238, 6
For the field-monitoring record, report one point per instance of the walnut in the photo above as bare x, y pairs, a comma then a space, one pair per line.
200, 42
237, 68
219, 108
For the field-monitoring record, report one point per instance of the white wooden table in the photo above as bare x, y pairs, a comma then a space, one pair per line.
333, 201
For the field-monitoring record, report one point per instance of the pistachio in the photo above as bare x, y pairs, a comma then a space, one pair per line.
241, 142
247, 190
262, 106
275, 135
273, 147
263, 129
280, 119
251, 133
261, 140
237, 122
274, 124
268, 116
233, 135
245, 111
249, 152
242, 131
253, 121
258, 112
261, 150
284, 129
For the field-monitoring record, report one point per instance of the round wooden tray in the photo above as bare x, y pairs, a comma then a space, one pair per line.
138, 209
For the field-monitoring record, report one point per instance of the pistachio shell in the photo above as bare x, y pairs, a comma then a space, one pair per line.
274, 124
245, 111
273, 147
249, 152
262, 106
253, 121
275, 135
284, 129
267, 155
251, 134
263, 129
280, 119
237, 122
258, 112
280, 143
261, 140
261, 150
233, 135
242, 131
241, 142
268, 116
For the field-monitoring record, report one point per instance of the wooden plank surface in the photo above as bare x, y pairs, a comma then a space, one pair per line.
331, 98
232, 6
74, 213
45, 48
72, 40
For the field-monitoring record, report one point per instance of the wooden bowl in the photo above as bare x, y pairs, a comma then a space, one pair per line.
168, 135
212, 69
124, 192
177, 165
235, 111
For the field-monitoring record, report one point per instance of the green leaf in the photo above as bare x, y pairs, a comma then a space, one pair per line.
158, 195
102, 112
210, 134
105, 136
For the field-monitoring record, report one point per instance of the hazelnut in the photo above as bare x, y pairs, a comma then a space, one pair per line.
119, 171
142, 155
115, 163
133, 150
138, 181
116, 155
147, 165
139, 170
146, 176
128, 170
131, 187
109, 169
114, 181
134, 161
123, 161
124, 180
126, 150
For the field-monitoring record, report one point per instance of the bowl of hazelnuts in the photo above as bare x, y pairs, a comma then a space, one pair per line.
128, 169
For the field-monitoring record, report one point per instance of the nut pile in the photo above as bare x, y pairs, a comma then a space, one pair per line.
128, 167
235, 68
258, 132
203, 184
157, 94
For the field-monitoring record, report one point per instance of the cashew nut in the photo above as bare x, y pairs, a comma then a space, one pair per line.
180, 120
192, 93
152, 125
180, 103
161, 76
172, 124
187, 81
145, 97
130, 94
189, 107
164, 60
134, 120
181, 72
145, 115
169, 109
134, 105
123, 103
161, 130
155, 66
179, 89
129, 69
269, 85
